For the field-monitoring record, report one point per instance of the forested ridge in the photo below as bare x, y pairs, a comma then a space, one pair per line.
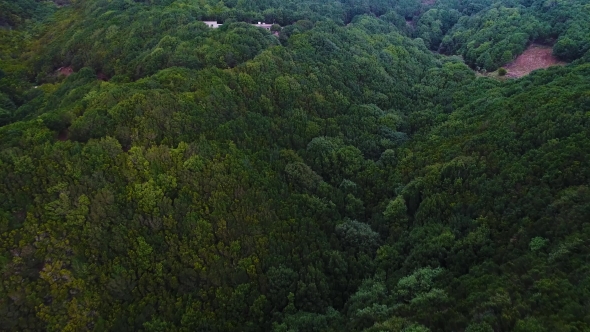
355, 172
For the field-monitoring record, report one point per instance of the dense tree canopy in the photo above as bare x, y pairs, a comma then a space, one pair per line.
339, 176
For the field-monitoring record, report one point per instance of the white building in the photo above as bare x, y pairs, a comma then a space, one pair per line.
215, 25
263, 25
212, 24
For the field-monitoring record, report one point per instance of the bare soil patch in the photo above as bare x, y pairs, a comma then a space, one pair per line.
534, 57
66, 71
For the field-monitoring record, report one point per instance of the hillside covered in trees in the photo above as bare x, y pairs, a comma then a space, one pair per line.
354, 172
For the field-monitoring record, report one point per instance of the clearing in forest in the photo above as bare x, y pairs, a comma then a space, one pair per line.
66, 71
534, 57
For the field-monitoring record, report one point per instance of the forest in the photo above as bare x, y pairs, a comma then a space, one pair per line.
359, 170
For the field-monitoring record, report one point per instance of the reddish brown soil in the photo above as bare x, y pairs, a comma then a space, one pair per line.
534, 57
66, 71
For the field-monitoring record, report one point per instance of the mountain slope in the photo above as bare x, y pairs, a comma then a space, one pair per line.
335, 178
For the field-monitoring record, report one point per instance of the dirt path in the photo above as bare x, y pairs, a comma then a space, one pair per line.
534, 57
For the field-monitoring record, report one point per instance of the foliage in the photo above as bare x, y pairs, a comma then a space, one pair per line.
489, 45
340, 177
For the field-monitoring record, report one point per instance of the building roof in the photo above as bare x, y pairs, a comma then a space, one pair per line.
259, 24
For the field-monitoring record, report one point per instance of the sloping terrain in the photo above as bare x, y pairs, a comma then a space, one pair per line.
534, 57
349, 175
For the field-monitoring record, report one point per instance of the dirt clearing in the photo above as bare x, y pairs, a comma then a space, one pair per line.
66, 71
534, 57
